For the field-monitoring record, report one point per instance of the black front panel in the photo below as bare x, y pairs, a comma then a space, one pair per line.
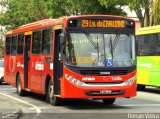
102, 71
102, 23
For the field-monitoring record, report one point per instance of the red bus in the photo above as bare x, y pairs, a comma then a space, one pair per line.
88, 56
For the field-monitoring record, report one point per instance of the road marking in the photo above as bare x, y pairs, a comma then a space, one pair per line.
42, 108
38, 110
142, 105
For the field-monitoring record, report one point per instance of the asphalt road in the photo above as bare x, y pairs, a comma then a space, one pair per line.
145, 105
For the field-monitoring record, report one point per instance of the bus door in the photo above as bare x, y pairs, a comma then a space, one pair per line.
36, 63
27, 59
57, 62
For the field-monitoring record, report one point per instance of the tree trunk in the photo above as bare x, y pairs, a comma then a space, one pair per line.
140, 16
147, 17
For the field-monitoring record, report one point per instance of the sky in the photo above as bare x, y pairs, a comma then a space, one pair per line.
129, 13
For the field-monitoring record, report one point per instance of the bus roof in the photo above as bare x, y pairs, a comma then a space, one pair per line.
35, 25
148, 30
50, 22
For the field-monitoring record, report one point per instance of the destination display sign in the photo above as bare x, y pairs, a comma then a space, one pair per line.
102, 23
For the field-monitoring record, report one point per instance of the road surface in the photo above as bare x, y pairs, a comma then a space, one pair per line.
145, 105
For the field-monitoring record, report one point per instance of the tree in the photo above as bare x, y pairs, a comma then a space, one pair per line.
155, 13
76, 7
111, 4
1, 47
57, 8
21, 12
141, 7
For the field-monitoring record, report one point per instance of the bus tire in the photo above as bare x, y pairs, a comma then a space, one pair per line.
141, 87
109, 101
19, 86
1, 80
50, 97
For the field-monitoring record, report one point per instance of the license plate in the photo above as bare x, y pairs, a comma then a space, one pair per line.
105, 92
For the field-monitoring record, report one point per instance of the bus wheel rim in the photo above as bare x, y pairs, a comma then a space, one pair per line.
19, 87
51, 91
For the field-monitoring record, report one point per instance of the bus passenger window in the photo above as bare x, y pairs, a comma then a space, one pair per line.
36, 42
47, 41
20, 44
158, 44
14, 45
8, 43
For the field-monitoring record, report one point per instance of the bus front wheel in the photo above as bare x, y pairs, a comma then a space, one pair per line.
19, 87
109, 101
51, 98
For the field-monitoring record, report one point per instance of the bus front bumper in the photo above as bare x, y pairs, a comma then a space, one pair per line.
70, 90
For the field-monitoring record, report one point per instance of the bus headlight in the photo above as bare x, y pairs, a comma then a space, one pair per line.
130, 81
74, 80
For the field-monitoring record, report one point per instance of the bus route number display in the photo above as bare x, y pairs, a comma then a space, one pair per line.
103, 23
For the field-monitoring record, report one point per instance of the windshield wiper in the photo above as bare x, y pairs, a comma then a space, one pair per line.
95, 45
104, 50
111, 47
91, 40
97, 48
112, 44
115, 41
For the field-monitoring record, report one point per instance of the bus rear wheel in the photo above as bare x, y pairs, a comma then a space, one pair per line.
51, 98
19, 87
1, 80
109, 101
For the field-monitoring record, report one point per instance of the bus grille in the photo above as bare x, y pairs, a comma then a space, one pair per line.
103, 83
97, 93
103, 72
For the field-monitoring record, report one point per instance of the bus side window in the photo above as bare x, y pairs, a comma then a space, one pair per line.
20, 44
158, 44
8, 44
137, 46
36, 42
47, 41
141, 45
14, 45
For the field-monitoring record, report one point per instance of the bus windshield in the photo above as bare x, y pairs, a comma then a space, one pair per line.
86, 49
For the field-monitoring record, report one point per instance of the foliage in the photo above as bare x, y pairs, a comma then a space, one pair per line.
21, 12
1, 44
155, 13
1, 47
113, 2
55, 8
141, 7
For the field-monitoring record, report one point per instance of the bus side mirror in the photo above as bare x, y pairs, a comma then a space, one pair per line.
62, 39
